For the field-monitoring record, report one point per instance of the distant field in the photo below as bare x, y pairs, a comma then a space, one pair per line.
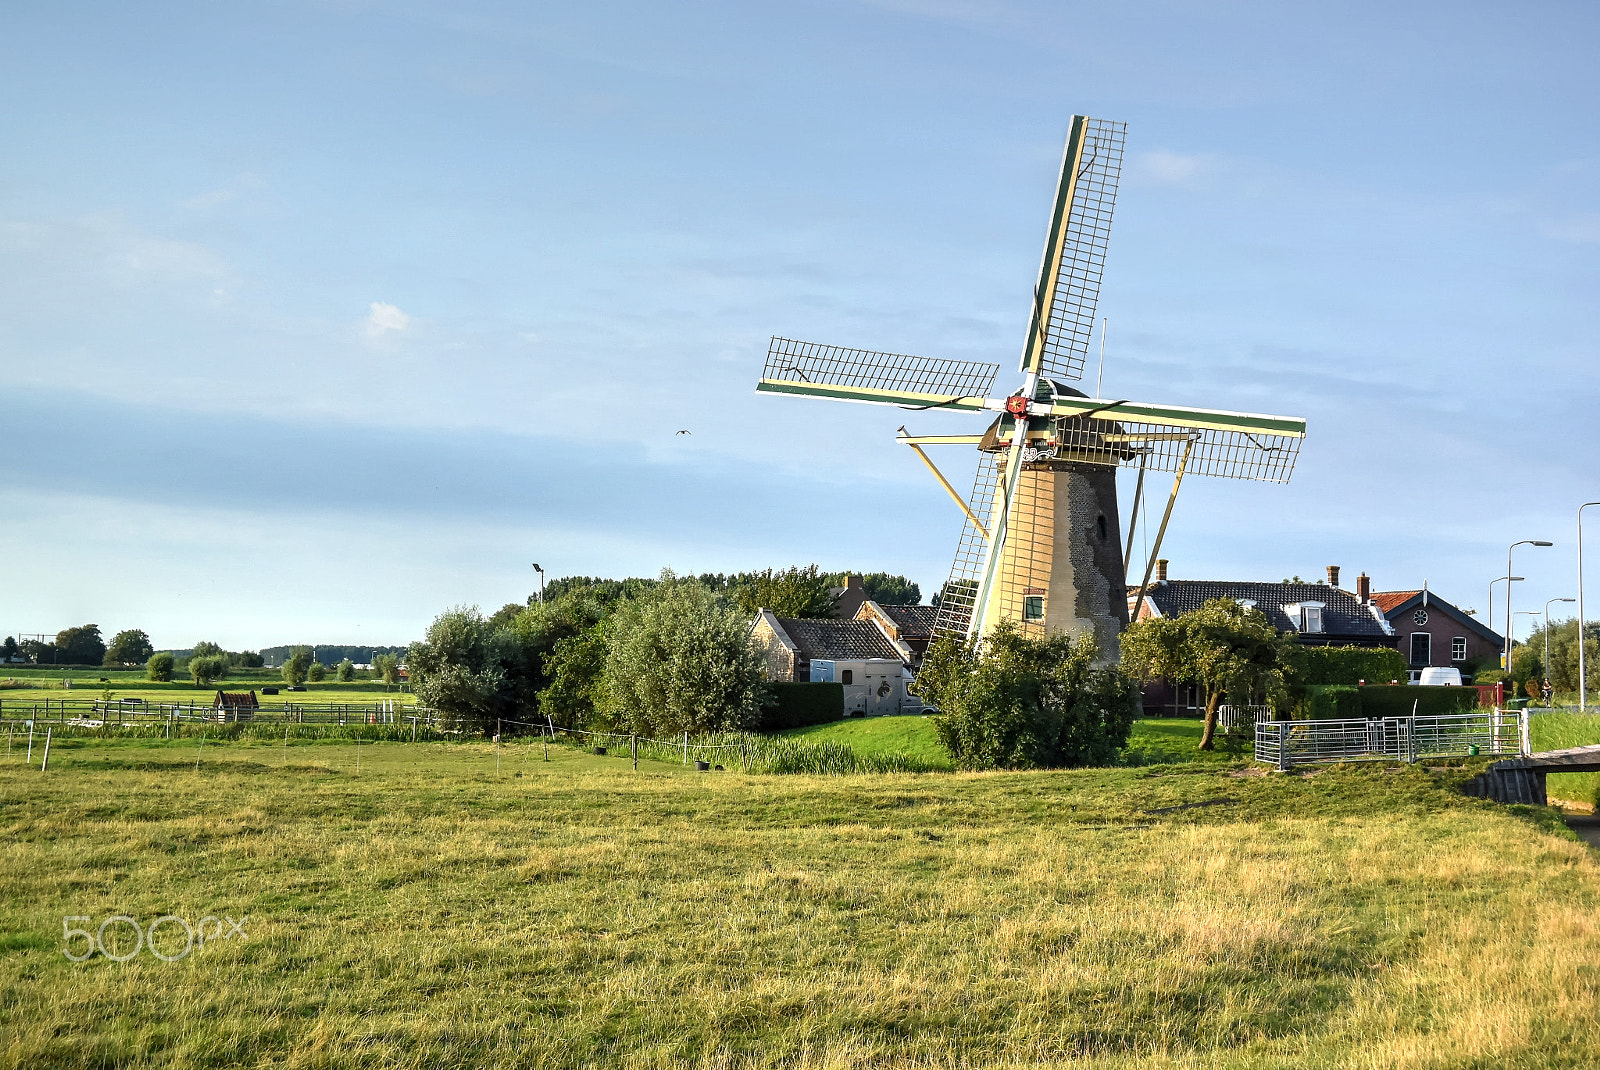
409, 906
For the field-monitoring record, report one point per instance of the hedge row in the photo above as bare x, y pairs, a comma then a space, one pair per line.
1349, 665
796, 705
1340, 703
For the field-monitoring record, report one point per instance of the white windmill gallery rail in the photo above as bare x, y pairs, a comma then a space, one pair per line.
1042, 543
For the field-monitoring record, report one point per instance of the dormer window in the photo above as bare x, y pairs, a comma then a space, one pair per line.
1246, 603
1305, 616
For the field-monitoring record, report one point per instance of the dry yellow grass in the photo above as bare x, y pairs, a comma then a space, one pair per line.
429, 913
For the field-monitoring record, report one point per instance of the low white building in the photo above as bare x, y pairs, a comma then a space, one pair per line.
873, 666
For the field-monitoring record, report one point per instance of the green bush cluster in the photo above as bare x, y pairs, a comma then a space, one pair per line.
1385, 701
796, 705
1333, 702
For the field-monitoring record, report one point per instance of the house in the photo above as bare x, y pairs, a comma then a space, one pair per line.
1317, 614
235, 705
1432, 631
847, 600
911, 626
860, 654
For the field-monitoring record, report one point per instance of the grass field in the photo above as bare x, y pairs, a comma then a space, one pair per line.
427, 911
1557, 731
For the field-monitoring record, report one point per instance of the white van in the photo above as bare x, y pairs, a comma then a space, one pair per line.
1439, 676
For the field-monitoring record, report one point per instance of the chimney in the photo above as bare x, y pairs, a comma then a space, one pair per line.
1363, 588
1161, 570
1333, 575
853, 583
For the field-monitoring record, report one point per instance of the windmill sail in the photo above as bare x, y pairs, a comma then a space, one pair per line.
814, 370
1075, 251
960, 591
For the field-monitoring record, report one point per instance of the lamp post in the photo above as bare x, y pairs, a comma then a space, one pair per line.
540, 571
1582, 680
1498, 579
1547, 635
1513, 546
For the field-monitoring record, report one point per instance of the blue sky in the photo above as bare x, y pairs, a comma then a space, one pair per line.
316, 318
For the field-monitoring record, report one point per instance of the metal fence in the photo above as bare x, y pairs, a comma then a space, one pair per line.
1289, 743
99, 712
1228, 716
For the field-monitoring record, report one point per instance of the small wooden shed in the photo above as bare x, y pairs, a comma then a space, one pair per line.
235, 706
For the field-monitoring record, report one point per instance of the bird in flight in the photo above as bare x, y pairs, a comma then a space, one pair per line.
683, 432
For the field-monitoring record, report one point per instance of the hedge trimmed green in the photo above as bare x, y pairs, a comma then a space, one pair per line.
1335, 702
1349, 665
796, 705
1398, 701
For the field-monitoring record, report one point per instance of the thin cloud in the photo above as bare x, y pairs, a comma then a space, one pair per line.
385, 318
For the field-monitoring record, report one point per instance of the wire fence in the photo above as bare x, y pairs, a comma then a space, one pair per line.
137, 711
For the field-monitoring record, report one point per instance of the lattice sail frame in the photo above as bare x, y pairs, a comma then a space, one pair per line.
900, 378
960, 591
1075, 252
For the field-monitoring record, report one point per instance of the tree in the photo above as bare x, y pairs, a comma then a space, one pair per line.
1231, 650
466, 670
316, 672
794, 592
1563, 668
81, 645
8, 649
296, 665
681, 661
386, 667
159, 668
129, 647
245, 659
1014, 702
882, 588
207, 668
346, 671
206, 649
576, 668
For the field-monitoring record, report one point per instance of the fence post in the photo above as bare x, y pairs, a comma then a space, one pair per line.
46, 763
1283, 747
633, 748
1522, 730
30, 742
685, 748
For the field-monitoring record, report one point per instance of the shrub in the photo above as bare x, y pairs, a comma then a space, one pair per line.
159, 668
316, 672
467, 670
1349, 665
1399, 701
346, 671
1012, 702
1334, 702
796, 705
207, 668
680, 660
296, 665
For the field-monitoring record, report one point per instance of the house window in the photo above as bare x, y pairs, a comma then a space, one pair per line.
1458, 648
1033, 607
846, 676
1421, 648
1311, 618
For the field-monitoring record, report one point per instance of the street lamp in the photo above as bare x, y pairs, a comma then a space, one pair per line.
1547, 636
1582, 682
1513, 546
540, 571
1497, 579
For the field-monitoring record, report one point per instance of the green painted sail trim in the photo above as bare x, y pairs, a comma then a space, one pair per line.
870, 395
1044, 292
1177, 416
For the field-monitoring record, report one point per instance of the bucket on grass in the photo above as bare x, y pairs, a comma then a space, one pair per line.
702, 767
599, 750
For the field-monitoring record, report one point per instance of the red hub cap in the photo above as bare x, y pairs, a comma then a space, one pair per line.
1017, 406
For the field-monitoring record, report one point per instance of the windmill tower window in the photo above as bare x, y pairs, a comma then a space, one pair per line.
1033, 607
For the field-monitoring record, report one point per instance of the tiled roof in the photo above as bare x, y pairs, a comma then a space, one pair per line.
914, 622
1387, 600
1343, 615
835, 640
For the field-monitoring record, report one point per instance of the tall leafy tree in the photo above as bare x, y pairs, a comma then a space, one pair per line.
346, 671
386, 667
159, 668
81, 645
1231, 650
681, 661
129, 647
296, 666
467, 670
206, 668
792, 592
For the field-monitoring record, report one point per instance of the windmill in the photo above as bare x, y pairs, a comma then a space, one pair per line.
1041, 546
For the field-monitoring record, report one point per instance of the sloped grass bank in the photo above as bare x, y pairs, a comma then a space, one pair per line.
429, 912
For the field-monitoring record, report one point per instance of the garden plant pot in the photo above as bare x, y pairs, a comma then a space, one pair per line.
599, 750
703, 767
